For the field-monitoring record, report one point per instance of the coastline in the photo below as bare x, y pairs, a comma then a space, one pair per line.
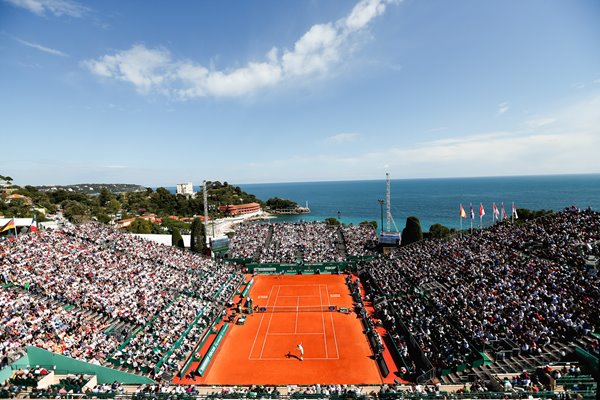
224, 225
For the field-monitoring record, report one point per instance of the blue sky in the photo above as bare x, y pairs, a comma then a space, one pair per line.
157, 92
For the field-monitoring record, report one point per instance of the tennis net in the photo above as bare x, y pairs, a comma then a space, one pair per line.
294, 309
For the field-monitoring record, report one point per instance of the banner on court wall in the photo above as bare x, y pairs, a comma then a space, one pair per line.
211, 351
269, 269
248, 286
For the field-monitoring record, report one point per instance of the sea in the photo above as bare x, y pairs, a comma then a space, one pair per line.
431, 200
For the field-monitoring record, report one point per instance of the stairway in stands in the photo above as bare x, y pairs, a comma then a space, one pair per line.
514, 364
341, 244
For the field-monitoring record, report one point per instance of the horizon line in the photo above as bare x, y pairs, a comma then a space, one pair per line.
324, 181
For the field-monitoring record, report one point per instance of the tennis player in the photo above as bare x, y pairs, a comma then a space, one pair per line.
301, 350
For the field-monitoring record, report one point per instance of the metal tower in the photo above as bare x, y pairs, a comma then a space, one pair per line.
388, 238
388, 205
388, 213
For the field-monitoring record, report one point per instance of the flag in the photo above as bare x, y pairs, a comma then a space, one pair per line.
503, 212
9, 225
471, 211
481, 210
33, 226
495, 212
463, 214
514, 211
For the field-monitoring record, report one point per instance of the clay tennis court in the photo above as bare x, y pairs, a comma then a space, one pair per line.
264, 349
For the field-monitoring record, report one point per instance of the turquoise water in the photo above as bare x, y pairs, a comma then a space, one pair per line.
432, 200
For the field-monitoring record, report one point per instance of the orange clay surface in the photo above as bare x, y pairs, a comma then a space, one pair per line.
264, 350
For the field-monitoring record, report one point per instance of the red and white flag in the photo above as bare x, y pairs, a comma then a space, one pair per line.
33, 226
481, 210
495, 212
514, 211
503, 212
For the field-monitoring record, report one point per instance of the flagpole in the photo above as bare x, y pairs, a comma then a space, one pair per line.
15, 224
460, 218
512, 213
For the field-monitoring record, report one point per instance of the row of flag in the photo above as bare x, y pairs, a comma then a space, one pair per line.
496, 213
11, 225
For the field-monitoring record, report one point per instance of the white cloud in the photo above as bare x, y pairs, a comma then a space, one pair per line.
363, 13
570, 147
56, 7
538, 122
39, 47
145, 69
316, 52
342, 138
503, 107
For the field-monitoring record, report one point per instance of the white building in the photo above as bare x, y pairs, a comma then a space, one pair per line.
186, 189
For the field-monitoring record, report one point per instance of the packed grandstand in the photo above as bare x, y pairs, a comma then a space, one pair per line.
98, 295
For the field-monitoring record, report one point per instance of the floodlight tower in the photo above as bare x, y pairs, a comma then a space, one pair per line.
388, 238
388, 213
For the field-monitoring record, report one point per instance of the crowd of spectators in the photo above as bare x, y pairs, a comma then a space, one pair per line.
33, 320
160, 390
92, 267
249, 240
567, 237
310, 241
348, 391
360, 240
460, 293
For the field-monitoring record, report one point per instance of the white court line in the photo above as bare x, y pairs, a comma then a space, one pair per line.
323, 321
291, 359
294, 334
297, 305
304, 295
337, 350
259, 325
269, 326
313, 285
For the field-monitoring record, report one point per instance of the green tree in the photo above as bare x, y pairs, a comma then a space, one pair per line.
75, 211
140, 225
105, 196
18, 208
526, 214
176, 239
412, 232
369, 223
275, 203
183, 226
198, 238
101, 217
332, 221
438, 231
113, 206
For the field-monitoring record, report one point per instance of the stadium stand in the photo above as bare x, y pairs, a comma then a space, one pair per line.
498, 312
455, 297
